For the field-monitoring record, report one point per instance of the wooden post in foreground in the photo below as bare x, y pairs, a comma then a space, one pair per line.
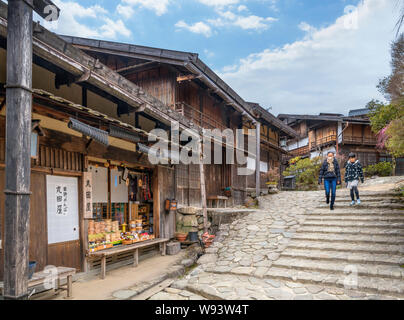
18, 141
18, 146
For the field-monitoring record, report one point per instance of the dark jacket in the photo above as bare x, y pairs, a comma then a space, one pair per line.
325, 174
353, 171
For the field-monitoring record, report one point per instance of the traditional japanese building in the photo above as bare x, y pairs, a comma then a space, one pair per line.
341, 134
95, 104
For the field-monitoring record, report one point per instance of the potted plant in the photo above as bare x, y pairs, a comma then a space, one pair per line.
273, 177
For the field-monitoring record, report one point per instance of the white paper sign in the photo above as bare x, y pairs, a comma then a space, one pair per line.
62, 207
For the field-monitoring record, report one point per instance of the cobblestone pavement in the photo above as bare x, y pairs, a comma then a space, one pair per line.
294, 247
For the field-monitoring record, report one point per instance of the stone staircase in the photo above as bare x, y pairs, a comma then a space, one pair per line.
333, 247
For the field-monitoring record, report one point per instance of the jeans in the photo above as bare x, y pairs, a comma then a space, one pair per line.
353, 186
330, 185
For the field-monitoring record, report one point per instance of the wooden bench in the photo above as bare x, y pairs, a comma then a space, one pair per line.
127, 248
212, 199
39, 278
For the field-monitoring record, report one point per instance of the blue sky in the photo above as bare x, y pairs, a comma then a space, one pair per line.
302, 56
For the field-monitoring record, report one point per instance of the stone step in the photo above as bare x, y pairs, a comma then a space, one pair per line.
371, 200
344, 256
358, 218
388, 286
345, 238
354, 224
339, 268
363, 195
368, 194
365, 205
358, 211
399, 232
346, 246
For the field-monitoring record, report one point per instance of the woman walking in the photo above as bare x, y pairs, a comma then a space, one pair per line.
331, 174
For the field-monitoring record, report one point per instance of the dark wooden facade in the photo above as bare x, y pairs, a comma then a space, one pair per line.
171, 81
333, 132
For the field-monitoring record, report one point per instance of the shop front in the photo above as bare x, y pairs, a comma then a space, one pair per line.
122, 203
86, 197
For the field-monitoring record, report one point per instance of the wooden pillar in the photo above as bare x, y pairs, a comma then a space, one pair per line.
258, 160
18, 145
109, 205
203, 191
156, 203
84, 96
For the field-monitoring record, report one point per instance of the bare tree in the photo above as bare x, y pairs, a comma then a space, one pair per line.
392, 87
400, 22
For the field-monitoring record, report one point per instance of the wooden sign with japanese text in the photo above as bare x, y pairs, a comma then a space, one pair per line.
87, 195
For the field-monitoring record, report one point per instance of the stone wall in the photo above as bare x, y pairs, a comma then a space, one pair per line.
190, 219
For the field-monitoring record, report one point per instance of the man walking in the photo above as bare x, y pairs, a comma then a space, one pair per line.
331, 174
353, 172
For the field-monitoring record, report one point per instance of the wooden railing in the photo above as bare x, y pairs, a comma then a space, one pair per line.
360, 140
324, 140
203, 120
300, 151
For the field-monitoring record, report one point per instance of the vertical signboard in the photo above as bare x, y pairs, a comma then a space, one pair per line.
87, 195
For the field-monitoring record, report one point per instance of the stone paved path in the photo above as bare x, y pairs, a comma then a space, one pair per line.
294, 247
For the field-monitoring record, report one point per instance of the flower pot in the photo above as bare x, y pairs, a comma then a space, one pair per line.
181, 236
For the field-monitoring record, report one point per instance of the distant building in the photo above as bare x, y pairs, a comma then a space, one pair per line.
341, 134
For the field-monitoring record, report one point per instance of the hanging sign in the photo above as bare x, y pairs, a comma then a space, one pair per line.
87, 195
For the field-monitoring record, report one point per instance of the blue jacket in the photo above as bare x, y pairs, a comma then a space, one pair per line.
325, 174
353, 171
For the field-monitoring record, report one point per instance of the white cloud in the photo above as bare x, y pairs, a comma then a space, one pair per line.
250, 22
219, 3
160, 7
332, 69
253, 22
73, 15
125, 11
242, 8
112, 28
198, 27
208, 53
229, 15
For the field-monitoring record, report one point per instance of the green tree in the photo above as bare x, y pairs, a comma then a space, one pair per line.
306, 172
381, 114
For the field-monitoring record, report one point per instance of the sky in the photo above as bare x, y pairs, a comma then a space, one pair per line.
293, 56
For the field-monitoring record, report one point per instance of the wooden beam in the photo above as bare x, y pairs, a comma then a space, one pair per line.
187, 77
135, 66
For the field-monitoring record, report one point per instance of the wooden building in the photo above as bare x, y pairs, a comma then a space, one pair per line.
94, 104
273, 131
188, 86
341, 134
70, 86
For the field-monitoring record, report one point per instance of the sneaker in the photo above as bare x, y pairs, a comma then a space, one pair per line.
358, 201
331, 207
352, 203
327, 201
